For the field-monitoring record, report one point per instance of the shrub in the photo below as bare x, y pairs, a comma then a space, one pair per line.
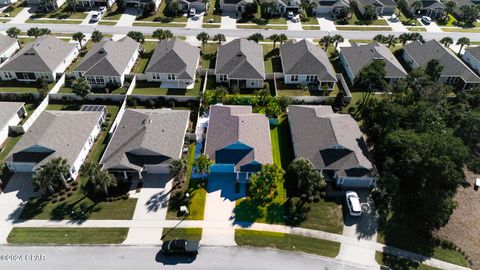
54, 200
62, 192
74, 188
69, 194
55, 195
62, 199
316, 198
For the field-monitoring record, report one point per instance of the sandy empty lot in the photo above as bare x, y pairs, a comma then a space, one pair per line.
463, 229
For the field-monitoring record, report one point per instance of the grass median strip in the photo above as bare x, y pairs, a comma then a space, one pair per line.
36, 235
153, 24
53, 21
256, 26
288, 242
182, 233
394, 262
363, 28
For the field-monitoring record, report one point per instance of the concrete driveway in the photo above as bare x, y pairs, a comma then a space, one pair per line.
195, 21
12, 201
152, 203
229, 21
128, 16
364, 228
219, 207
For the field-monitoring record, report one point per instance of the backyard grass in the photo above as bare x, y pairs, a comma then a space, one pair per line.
58, 21
154, 89
287, 242
60, 236
155, 24
211, 16
196, 190
293, 90
21, 87
142, 61
182, 233
160, 14
399, 263
363, 28
209, 55
117, 91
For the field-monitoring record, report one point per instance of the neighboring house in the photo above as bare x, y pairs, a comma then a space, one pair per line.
284, 6
54, 4
331, 7
146, 141
66, 134
108, 62
238, 141
240, 64
141, 3
355, 58
431, 8
198, 5
173, 63
472, 57
455, 72
11, 113
95, 3
333, 143
7, 2
44, 58
305, 63
383, 7
461, 3
8, 46
237, 6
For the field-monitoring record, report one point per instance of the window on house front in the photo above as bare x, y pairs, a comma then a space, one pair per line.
172, 77
222, 78
311, 78
294, 78
100, 79
156, 76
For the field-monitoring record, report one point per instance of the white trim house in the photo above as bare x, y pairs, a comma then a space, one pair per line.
11, 113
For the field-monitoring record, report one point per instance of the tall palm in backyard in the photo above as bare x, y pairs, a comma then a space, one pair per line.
203, 164
462, 42
203, 37
103, 181
178, 169
89, 169
337, 39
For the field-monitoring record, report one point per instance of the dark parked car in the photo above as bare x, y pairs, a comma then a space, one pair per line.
180, 246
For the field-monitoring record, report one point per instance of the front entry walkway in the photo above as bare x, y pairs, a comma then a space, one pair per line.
12, 201
219, 207
151, 205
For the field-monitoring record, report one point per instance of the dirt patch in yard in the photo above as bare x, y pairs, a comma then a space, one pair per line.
463, 229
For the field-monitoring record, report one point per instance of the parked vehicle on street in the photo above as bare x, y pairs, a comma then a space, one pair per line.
180, 246
426, 20
353, 203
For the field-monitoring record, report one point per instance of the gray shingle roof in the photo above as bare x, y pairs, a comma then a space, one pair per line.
377, 2
329, 140
108, 57
174, 56
157, 134
241, 59
7, 110
6, 42
332, 3
303, 57
474, 51
45, 54
231, 124
63, 132
428, 4
452, 65
358, 57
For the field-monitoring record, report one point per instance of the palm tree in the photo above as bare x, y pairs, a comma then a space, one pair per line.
81, 87
203, 37
402, 6
337, 39
462, 42
282, 38
72, 5
79, 36
325, 41
256, 37
417, 5
450, 7
89, 170
45, 5
391, 40
42, 182
97, 36
162, 34
404, 38
275, 39
379, 38
203, 164
103, 181
416, 37
219, 38
178, 168
13, 32
51, 175
446, 41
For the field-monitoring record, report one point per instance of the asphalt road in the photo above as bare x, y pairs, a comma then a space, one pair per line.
136, 258
68, 28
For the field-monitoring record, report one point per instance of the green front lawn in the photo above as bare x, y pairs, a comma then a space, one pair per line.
356, 19
196, 190
288, 242
14, 9
182, 233
8, 146
161, 14
62, 13
154, 89
61, 236
211, 16
106, 23
399, 263
113, 14
311, 27
407, 20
